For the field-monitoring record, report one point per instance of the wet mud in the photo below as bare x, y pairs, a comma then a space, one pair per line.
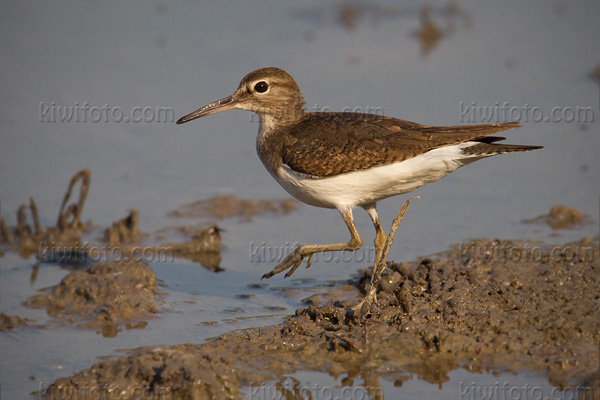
105, 296
561, 217
198, 244
204, 247
489, 305
71, 242
124, 231
10, 322
221, 207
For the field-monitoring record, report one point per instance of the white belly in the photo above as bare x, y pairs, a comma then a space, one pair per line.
366, 186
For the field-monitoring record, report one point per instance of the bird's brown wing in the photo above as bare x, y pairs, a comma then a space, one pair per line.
326, 144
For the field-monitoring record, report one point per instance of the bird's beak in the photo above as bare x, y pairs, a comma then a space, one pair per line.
227, 103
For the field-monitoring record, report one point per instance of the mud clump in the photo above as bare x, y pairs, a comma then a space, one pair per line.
561, 217
479, 311
125, 230
204, 247
222, 207
10, 322
104, 295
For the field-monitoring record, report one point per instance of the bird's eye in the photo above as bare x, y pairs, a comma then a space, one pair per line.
261, 87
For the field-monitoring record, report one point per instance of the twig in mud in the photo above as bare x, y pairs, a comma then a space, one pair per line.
36, 219
5, 234
23, 230
125, 230
74, 209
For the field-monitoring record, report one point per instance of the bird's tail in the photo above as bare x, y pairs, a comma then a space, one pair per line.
487, 147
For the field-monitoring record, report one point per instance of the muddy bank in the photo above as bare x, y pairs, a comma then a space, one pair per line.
485, 305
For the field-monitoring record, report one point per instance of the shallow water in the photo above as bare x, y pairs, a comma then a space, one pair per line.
461, 384
183, 55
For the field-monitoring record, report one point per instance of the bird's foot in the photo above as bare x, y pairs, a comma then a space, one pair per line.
363, 308
291, 262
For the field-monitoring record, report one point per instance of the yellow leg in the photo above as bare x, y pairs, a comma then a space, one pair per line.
380, 236
364, 306
293, 261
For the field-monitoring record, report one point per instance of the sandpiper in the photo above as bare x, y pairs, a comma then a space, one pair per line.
343, 160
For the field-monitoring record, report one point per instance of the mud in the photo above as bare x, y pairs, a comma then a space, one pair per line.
221, 207
10, 322
201, 245
104, 296
67, 243
123, 231
561, 217
485, 306
204, 247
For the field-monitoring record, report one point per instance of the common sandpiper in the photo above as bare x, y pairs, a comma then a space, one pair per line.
343, 160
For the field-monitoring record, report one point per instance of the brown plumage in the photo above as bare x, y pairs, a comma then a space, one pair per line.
326, 144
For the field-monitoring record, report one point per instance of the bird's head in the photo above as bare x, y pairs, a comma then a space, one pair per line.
269, 92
